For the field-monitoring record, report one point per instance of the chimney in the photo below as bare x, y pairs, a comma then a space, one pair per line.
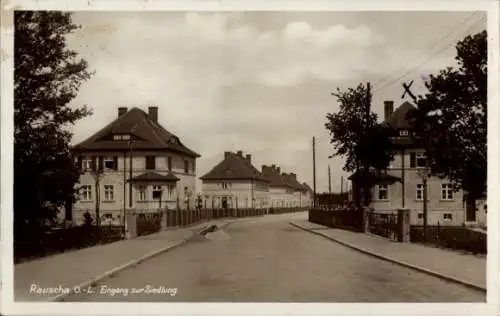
264, 168
226, 154
249, 158
388, 109
153, 113
240, 153
121, 110
278, 169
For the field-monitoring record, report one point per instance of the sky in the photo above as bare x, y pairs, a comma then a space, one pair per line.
260, 82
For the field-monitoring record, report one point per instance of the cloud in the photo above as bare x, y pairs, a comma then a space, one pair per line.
222, 83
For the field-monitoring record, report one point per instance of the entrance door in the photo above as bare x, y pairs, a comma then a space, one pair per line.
157, 197
224, 202
470, 215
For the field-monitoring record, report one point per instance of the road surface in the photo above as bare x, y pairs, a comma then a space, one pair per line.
268, 260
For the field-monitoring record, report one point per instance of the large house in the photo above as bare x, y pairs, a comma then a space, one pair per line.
134, 163
235, 183
280, 191
402, 185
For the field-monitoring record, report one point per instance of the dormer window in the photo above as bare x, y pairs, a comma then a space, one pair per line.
121, 137
403, 132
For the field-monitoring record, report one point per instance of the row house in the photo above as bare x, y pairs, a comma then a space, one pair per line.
284, 189
235, 183
134, 163
401, 185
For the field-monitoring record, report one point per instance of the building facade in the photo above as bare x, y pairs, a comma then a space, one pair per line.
235, 183
134, 164
401, 186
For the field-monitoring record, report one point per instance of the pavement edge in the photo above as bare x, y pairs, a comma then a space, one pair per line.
131, 263
401, 263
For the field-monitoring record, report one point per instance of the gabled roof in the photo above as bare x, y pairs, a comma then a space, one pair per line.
307, 187
291, 180
398, 118
147, 134
272, 174
234, 167
153, 176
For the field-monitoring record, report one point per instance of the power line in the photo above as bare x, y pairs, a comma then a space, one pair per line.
424, 62
432, 46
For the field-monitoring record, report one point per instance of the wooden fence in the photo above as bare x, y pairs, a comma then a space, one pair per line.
152, 222
338, 218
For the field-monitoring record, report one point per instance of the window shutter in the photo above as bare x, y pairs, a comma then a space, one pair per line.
115, 162
94, 163
101, 163
413, 160
79, 162
169, 161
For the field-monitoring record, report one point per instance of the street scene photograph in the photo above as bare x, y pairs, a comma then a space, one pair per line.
250, 156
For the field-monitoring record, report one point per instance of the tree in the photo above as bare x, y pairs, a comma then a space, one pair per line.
358, 137
452, 119
47, 76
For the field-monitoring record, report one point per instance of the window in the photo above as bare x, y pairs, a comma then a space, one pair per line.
403, 132
448, 216
109, 193
156, 192
142, 193
110, 162
383, 193
170, 191
420, 192
225, 185
420, 215
86, 163
421, 160
150, 162
186, 166
446, 191
194, 166
121, 137
169, 163
86, 193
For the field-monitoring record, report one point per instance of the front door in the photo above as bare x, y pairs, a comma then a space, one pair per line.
224, 202
470, 215
157, 197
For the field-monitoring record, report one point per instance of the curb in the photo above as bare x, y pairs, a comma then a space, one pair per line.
129, 264
401, 263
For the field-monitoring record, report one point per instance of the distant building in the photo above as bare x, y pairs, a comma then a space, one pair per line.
235, 183
308, 195
163, 168
400, 186
284, 189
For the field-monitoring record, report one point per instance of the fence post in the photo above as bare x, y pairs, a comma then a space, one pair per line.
163, 222
366, 220
404, 225
131, 221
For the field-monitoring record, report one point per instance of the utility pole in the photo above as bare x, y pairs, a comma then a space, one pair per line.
424, 182
329, 180
314, 170
366, 166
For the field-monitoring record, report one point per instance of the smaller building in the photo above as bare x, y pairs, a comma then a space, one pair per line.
235, 183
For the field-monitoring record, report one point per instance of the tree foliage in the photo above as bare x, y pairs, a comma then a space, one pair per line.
452, 118
47, 76
356, 134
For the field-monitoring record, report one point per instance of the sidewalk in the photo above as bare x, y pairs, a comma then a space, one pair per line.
463, 268
77, 267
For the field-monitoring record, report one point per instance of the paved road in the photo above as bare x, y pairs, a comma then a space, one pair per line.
268, 260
